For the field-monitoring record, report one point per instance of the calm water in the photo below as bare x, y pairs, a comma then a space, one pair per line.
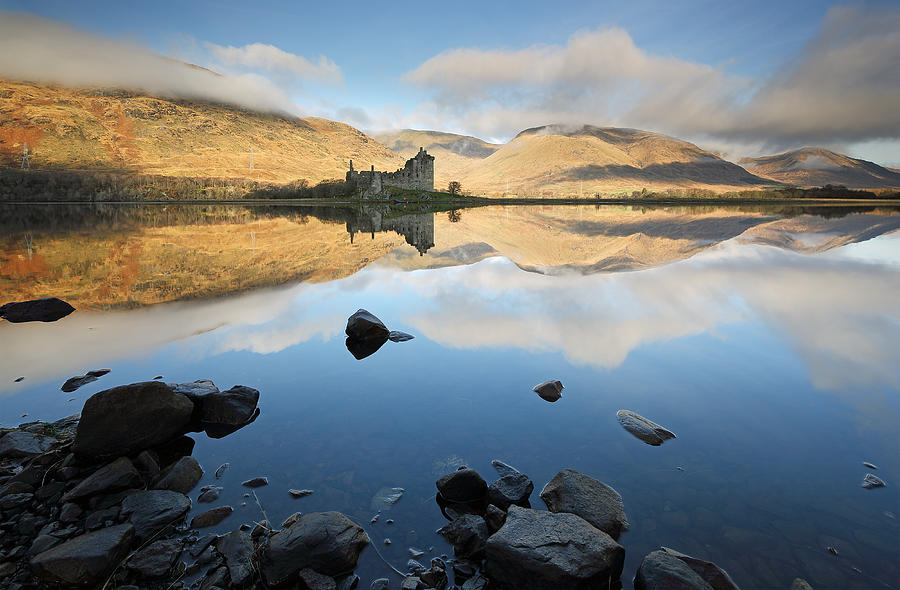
767, 339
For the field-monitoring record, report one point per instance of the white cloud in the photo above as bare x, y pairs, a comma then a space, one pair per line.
259, 56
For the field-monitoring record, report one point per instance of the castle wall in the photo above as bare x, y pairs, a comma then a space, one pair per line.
416, 174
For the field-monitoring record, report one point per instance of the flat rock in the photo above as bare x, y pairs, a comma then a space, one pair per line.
504, 469
576, 493
237, 549
182, 476
642, 428
151, 510
550, 391
48, 309
211, 517
467, 534
869, 482
511, 489
195, 390
224, 412
300, 493
156, 559
116, 476
710, 572
74, 383
209, 493
221, 469
662, 571
130, 418
86, 559
256, 482
19, 444
328, 542
362, 325
386, 497
462, 485
397, 336
536, 550
870, 465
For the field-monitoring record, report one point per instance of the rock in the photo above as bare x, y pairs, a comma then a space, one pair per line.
386, 497
591, 499
69, 513
396, 336
312, 580
155, 560
256, 482
380, 584
222, 469
348, 582
710, 572
800, 584
300, 493
411, 583
494, 517
13, 501
476, 582
237, 549
100, 518
209, 494
74, 383
149, 511
116, 476
146, 462
467, 534
130, 418
182, 476
328, 542
173, 450
211, 517
218, 579
536, 550
661, 571
362, 325
642, 428
503, 469
869, 465
48, 309
463, 485
196, 390
415, 553
222, 413
43, 543
511, 489
84, 560
16, 487
18, 445
361, 349
436, 576
870, 482
550, 391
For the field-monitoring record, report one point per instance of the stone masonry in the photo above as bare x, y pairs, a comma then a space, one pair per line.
416, 174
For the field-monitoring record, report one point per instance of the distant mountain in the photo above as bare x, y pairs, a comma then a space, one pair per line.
453, 153
559, 160
125, 130
811, 166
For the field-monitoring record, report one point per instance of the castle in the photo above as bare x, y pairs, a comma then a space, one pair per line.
416, 174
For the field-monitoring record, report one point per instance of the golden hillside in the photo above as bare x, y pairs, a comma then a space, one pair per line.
453, 153
812, 166
555, 160
123, 130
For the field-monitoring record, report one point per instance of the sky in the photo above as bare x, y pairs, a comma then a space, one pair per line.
740, 78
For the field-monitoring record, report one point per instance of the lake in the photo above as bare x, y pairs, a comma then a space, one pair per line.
767, 338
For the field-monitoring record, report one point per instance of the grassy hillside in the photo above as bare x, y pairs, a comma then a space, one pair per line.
812, 166
121, 130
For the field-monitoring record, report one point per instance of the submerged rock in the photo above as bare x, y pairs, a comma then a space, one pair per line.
300, 493
74, 383
386, 497
649, 432
869, 482
222, 413
256, 482
710, 572
48, 309
591, 499
86, 559
550, 391
362, 325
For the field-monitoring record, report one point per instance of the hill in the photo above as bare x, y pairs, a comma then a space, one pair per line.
123, 130
453, 153
562, 160
811, 166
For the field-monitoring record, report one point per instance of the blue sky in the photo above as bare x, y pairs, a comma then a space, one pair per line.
699, 64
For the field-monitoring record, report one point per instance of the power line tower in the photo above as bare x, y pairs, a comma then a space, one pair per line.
251, 157
26, 161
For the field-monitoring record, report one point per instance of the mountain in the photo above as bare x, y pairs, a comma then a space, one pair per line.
556, 160
124, 130
811, 166
453, 153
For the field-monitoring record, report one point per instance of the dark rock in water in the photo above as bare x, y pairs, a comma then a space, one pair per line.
222, 469
800, 584
74, 383
49, 309
237, 549
256, 482
361, 349
463, 485
225, 412
348, 582
362, 325
577, 493
412, 583
300, 493
175, 449
209, 494
869, 482
550, 391
660, 570
384, 498
494, 517
380, 584
211, 517
869, 465
467, 534
710, 572
118, 475
182, 476
312, 580
19, 379
328, 542
130, 418
155, 560
536, 550
503, 469
396, 336
195, 390
511, 489
18, 445
476, 582
649, 432
149, 511
84, 560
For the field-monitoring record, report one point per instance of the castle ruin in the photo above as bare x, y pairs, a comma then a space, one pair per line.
416, 174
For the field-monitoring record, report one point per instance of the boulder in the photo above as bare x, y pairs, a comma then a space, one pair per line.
155, 560
149, 511
870, 482
312, 580
182, 476
86, 559
494, 517
577, 493
224, 412
19, 444
511, 489
549, 391
118, 475
195, 390
710, 572
237, 549
536, 550
211, 517
362, 325
48, 309
130, 418
467, 534
661, 571
463, 485
642, 428
328, 542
